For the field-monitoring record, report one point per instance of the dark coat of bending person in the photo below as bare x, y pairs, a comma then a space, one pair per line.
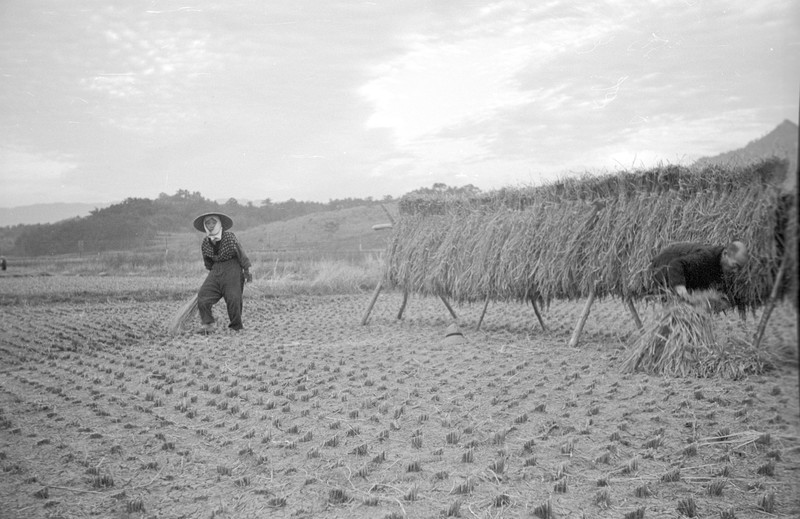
684, 268
229, 269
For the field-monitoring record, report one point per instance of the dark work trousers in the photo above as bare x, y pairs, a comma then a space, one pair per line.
225, 280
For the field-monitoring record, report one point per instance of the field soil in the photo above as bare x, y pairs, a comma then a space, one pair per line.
307, 413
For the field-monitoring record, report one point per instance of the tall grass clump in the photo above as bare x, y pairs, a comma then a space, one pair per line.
324, 277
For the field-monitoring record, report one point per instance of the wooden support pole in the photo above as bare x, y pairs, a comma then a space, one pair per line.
773, 300
634, 313
538, 315
449, 308
372, 303
480, 321
403, 305
576, 334
391, 218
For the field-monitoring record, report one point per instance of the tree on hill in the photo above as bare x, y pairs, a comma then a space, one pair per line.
89, 234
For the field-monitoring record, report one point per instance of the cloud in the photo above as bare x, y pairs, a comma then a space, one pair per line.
435, 86
147, 77
133, 99
35, 168
491, 88
471, 73
26, 175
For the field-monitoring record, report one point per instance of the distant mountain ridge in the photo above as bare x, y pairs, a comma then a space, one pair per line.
45, 213
780, 142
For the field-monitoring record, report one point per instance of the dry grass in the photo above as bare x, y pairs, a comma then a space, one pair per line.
184, 317
330, 277
681, 341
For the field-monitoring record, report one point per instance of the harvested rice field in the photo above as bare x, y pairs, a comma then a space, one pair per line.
309, 414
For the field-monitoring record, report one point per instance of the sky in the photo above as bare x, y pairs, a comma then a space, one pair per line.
317, 100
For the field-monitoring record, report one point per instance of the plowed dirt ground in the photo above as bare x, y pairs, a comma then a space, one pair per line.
309, 414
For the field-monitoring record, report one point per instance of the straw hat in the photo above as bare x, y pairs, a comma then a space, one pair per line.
227, 221
453, 335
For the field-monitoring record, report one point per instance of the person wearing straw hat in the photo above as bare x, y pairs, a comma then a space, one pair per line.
229, 269
695, 271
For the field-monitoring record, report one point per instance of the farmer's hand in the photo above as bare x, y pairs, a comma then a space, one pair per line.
720, 305
696, 299
715, 301
700, 302
709, 300
683, 293
248, 277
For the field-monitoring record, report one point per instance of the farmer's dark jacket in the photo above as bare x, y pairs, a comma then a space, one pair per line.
693, 265
224, 250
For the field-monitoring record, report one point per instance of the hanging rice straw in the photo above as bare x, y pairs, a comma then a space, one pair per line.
586, 235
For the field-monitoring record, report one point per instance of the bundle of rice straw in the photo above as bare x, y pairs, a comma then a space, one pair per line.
681, 342
184, 316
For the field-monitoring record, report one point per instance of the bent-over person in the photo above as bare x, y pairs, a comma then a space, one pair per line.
690, 270
228, 266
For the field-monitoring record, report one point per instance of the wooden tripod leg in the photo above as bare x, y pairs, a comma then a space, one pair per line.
449, 308
538, 314
391, 218
372, 303
773, 299
403, 305
485, 306
634, 313
576, 334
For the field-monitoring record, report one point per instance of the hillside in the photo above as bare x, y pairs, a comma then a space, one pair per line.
780, 142
146, 226
138, 223
328, 231
339, 233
